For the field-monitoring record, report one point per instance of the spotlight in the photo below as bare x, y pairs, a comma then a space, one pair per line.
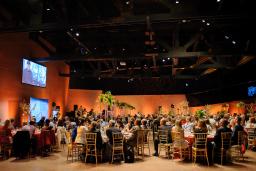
74, 71
99, 78
48, 9
77, 34
71, 29
226, 37
168, 59
203, 21
128, 80
40, 31
208, 24
186, 84
177, 1
145, 65
127, 2
218, 0
234, 42
184, 21
123, 49
163, 60
117, 68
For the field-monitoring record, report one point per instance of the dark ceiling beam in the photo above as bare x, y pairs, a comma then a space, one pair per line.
126, 21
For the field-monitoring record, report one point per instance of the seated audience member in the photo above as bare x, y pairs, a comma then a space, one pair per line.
208, 125
47, 125
41, 122
188, 126
61, 133
251, 123
120, 125
144, 124
223, 128
201, 127
236, 129
93, 129
112, 129
181, 143
80, 132
12, 124
31, 128
5, 133
162, 127
129, 126
132, 140
212, 121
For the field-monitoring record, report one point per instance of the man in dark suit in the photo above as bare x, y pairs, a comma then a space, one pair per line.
223, 128
112, 129
237, 128
162, 127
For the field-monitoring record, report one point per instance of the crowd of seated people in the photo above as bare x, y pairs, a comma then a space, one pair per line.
90, 122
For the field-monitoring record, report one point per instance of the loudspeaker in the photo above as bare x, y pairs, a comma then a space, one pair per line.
75, 107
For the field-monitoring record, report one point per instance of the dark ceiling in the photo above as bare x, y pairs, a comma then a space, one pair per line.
141, 46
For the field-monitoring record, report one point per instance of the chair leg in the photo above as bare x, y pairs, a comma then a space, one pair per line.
206, 155
113, 152
86, 155
221, 159
195, 158
96, 156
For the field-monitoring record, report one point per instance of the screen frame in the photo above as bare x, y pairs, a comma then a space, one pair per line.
37, 64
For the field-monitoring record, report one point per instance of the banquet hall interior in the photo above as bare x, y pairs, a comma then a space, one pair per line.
128, 85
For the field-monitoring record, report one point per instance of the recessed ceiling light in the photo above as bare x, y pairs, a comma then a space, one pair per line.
226, 37
168, 58
234, 42
48, 9
203, 21
163, 60
218, 0
117, 68
77, 34
40, 31
127, 2
184, 21
208, 24
177, 1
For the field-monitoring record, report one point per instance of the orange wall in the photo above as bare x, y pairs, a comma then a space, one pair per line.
214, 108
146, 104
12, 48
86, 98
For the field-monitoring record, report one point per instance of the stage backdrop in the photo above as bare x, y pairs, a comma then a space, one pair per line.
146, 104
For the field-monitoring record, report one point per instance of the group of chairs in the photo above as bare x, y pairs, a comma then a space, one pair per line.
117, 148
225, 152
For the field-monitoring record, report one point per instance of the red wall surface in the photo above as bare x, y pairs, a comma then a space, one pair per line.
12, 48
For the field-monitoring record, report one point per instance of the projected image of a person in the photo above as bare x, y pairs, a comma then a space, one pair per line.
28, 74
42, 77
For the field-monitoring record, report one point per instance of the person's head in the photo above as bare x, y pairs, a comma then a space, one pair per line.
47, 122
252, 120
112, 123
163, 122
28, 65
7, 123
31, 123
188, 119
12, 121
202, 124
143, 122
43, 118
238, 120
137, 122
178, 123
81, 122
224, 122
93, 125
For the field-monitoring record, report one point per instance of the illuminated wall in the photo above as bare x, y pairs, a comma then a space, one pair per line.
12, 48
146, 104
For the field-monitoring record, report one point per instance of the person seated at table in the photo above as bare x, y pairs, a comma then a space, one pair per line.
236, 129
201, 127
129, 125
188, 126
143, 124
29, 127
251, 123
120, 125
6, 135
208, 125
162, 127
47, 126
132, 140
80, 132
223, 128
181, 143
12, 124
40, 123
93, 129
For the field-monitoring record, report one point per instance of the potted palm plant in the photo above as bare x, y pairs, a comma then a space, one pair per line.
201, 113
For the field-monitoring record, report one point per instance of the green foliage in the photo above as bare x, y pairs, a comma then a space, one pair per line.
240, 104
107, 98
124, 105
201, 114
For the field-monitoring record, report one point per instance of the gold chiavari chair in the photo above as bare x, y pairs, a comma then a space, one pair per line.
180, 146
225, 146
74, 150
140, 143
91, 146
236, 150
251, 137
199, 148
163, 142
146, 139
118, 145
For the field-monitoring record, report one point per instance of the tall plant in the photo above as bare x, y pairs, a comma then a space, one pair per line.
201, 114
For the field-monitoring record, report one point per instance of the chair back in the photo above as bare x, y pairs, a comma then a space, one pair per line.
46, 138
117, 139
226, 140
240, 138
177, 136
163, 136
200, 140
90, 138
140, 137
68, 136
146, 135
251, 133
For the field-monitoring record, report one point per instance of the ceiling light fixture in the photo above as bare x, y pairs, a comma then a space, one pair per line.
48, 9
163, 60
77, 34
168, 59
177, 1
208, 24
234, 42
203, 21
226, 37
